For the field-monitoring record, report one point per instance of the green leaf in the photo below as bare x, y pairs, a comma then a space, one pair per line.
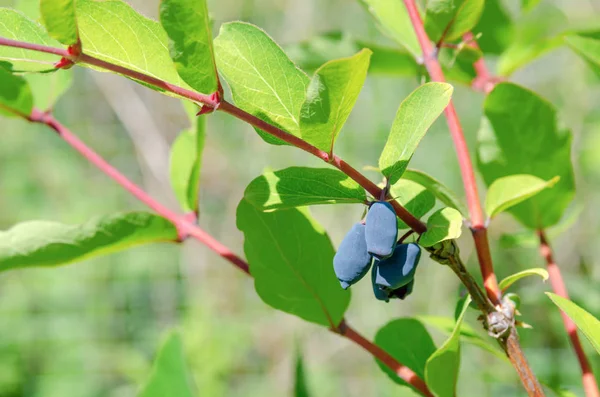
393, 20
385, 61
511, 190
190, 42
440, 191
444, 224
586, 47
414, 197
330, 97
467, 334
263, 80
441, 370
59, 18
450, 19
15, 95
406, 340
15, 25
300, 386
290, 257
519, 134
47, 88
186, 163
113, 31
44, 243
588, 324
510, 280
495, 28
414, 117
170, 374
301, 186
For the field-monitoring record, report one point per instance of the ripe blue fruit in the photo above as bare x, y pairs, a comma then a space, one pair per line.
385, 294
381, 229
352, 261
399, 269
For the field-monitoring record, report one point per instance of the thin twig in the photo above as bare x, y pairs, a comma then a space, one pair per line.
558, 286
183, 224
403, 372
186, 226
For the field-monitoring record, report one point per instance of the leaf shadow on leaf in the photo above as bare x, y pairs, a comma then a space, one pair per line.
317, 109
269, 138
417, 204
291, 190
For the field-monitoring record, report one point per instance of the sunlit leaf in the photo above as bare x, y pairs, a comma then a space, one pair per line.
114, 32
444, 224
393, 20
302, 186
44, 243
190, 42
510, 280
450, 19
60, 21
15, 25
511, 190
263, 80
330, 97
414, 117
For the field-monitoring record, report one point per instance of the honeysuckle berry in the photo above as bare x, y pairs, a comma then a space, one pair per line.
399, 269
381, 229
352, 261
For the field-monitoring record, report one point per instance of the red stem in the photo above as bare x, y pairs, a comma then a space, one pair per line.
558, 286
183, 224
186, 227
213, 102
464, 159
484, 81
335, 161
34, 47
405, 373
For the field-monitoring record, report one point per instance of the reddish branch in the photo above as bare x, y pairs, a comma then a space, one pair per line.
462, 151
183, 224
213, 102
478, 227
402, 371
187, 227
559, 288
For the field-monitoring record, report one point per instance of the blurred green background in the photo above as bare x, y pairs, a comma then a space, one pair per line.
92, 328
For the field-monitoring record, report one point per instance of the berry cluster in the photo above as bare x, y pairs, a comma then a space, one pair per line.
374, 243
